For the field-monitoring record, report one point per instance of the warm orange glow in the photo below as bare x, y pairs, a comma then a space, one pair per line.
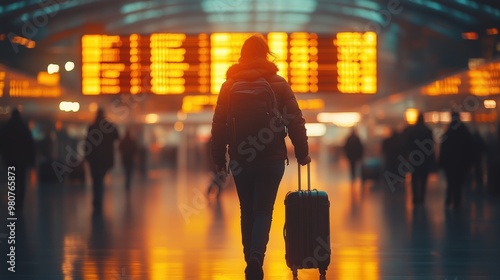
152, 118
22, 41
73, 244
175, 63
411, 115
278, 44
431, 117
486, 117
135, 65
311, 104
446, 86
46, 79
167, 66
198, 103
23, 86
101, 58
204, 73
470, 36
485, 79
178, 126
492, 31
224, 52
303, 62
2, 82
342, 119
357, 62
93, 107
358, 263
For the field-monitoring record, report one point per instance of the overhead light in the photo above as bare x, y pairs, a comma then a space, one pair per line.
52, 68
411, 115
152, 118
470, 36
492, 31
490, 104
69, 66
178, 126
66, 106
315, 129
344, 119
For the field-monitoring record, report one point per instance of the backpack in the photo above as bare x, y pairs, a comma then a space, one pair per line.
253, 119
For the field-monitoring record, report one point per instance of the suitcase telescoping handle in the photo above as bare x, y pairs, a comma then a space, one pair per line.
308, 177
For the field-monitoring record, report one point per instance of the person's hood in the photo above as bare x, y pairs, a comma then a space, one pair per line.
252, 70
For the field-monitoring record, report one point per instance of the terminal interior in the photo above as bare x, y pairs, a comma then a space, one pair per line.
156, 68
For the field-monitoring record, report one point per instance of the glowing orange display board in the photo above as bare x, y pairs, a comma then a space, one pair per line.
176, 63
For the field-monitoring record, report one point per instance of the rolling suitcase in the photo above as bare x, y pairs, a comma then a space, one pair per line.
307, 229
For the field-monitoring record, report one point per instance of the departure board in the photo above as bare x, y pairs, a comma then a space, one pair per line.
177, 63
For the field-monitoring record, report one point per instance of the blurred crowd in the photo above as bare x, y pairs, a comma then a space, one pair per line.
466, 157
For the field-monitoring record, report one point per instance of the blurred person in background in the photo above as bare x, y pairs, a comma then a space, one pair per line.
419, 150
391, 150
17, 148
493, 159
478, 160
257, 174
45, 158
353, 149
217, 180
128, 151
456, 157
101, 137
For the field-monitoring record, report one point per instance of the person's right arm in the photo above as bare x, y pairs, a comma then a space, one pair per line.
295, 122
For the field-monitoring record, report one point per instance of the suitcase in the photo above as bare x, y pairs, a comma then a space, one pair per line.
307, 229
371, 169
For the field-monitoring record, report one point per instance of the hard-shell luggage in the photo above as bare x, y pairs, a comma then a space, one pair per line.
307, 229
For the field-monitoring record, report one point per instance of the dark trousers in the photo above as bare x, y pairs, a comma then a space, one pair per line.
128, 169
352, 165
257, 186
455, 183
97, 186
419, 184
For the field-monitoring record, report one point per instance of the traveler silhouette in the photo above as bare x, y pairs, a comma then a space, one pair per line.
100, 140
478, 160
456, 158
392, 149
493, 160
353, 149
128, 151
17, 148
252, 119
419, 149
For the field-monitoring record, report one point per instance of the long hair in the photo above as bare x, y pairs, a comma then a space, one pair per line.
256, 48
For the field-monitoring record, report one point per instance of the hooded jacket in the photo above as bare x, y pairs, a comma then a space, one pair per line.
287, 104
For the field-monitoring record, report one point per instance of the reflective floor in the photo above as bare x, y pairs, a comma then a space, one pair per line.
167, 229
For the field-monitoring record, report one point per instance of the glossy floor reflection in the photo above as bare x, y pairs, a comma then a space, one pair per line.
167, 229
